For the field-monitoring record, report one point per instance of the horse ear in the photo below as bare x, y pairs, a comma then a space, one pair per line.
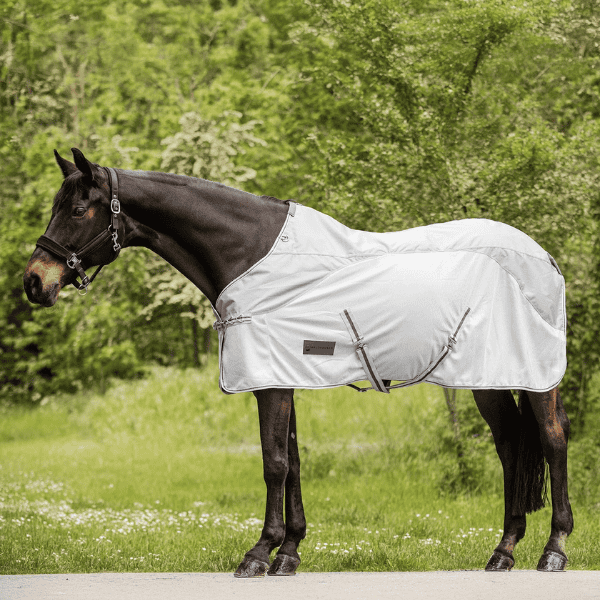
67, 168
83, 164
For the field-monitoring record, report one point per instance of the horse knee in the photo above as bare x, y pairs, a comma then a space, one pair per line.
275, 469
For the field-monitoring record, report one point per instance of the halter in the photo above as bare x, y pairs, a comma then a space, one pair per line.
111, 234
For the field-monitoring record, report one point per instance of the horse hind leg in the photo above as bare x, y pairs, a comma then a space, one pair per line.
554, 429
500, 411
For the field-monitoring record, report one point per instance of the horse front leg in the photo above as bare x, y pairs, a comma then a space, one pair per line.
500, 411
274, 410
287, 560
554, 434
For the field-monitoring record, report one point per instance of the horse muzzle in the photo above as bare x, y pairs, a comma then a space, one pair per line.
44, 278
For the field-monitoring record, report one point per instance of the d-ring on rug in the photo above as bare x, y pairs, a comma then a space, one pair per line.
465, 304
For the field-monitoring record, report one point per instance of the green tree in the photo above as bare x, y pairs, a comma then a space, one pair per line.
384, 114
208, 148
430, 111
113, 79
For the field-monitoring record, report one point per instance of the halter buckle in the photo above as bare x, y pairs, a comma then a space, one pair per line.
115, 206
73, 261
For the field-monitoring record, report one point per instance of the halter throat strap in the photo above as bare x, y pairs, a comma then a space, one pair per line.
111, 234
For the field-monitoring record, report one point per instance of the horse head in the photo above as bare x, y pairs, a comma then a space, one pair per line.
82, 232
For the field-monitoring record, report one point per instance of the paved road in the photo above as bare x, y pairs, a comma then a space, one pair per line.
438, 585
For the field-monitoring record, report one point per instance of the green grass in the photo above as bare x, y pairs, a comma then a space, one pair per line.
165, 474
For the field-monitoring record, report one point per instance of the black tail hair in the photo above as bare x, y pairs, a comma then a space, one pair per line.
530, 488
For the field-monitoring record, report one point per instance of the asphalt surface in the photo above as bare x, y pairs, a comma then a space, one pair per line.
446, 585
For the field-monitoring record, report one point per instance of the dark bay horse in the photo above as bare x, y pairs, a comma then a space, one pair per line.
212, 234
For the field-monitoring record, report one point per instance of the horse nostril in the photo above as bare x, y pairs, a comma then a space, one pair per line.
33, 286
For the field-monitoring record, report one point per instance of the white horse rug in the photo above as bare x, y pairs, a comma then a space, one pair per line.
466, 304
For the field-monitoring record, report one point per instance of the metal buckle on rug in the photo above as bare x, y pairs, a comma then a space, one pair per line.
223, 324
362, 350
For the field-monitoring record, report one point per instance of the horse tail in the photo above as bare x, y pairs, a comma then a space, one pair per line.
530, 488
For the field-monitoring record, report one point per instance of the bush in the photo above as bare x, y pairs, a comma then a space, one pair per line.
584, 472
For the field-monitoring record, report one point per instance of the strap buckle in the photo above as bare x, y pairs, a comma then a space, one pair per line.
115, 236
73, 261
363, 352
221, 325
115, 207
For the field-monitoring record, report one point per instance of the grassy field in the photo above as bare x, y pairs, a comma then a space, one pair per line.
165, 474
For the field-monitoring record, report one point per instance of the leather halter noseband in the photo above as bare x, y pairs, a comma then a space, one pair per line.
111, 234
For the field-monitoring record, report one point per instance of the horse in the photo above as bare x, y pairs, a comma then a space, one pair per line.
213, 234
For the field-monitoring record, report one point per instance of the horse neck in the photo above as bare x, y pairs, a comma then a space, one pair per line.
209, 232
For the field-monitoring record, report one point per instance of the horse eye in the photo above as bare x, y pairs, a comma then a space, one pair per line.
79, 211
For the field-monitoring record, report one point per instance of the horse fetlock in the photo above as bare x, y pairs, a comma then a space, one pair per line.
272, 537
562, 525
557, 543
508, 542
515, 527
289, 547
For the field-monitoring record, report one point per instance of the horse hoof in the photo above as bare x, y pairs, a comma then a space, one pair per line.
500, 562
251, 567
552, 561
284, 565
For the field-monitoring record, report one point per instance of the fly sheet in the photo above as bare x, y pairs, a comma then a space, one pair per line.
465, 304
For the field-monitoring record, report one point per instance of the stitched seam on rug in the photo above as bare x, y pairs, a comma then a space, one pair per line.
375, 256
519, 285
348, 383
250, 269
477, 249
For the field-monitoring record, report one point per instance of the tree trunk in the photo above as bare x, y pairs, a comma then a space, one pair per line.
195, 341
207, 338
450, 396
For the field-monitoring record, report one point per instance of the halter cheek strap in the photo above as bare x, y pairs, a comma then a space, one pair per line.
111, 234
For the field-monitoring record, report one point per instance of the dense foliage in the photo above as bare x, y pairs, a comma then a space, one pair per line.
385, 114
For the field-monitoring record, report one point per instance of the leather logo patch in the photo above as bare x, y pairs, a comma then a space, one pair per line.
317, 347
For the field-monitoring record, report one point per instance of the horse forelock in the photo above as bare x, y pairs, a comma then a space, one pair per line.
71, 186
